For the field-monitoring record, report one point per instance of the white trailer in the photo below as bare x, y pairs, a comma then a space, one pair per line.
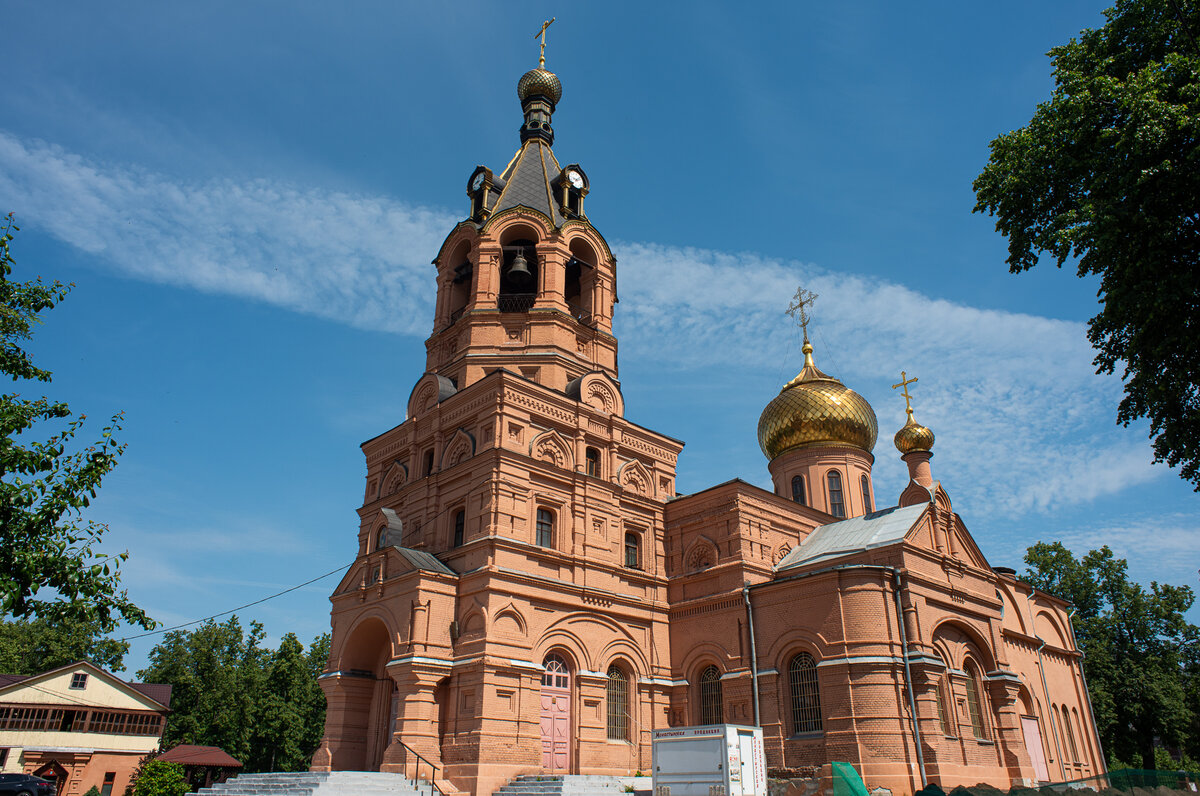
713, 760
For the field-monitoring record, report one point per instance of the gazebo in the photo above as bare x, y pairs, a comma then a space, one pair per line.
202, 765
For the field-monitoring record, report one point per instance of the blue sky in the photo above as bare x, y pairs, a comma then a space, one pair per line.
247, 197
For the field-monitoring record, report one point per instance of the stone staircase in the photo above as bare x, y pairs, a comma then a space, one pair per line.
321, 783
565, 785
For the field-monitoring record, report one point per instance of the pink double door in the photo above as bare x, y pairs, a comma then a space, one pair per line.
556, 715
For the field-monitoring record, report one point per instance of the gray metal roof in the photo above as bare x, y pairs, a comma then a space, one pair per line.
856, 534
426, 561
527, 181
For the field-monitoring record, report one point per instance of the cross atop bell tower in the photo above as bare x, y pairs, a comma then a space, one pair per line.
525, 282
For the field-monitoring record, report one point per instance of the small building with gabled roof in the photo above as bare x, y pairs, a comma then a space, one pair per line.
79, 726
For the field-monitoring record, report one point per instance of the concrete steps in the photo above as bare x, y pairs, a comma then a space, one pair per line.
565, 785
320, 783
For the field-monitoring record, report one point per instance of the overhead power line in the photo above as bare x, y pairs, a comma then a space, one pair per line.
240, 607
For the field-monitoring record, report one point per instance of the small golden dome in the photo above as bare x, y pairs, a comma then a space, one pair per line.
913, 436
815, 409
539, 81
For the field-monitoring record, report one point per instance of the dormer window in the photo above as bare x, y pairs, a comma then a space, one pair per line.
478, 188
571, 186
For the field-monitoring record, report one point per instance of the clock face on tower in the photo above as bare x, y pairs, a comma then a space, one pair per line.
477, 182
575, 178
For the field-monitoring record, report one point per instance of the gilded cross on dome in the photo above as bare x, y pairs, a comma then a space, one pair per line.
542, 33
798, 309
904, 382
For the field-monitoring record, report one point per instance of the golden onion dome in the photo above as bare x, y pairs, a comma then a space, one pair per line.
815, 409
913, 436
539, 81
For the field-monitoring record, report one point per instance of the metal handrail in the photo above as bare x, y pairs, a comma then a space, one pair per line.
417, 773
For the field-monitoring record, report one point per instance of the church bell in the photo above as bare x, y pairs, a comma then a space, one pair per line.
518, 272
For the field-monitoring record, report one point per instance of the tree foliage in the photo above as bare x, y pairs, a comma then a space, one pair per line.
262, 706
158, 778
1108, 171
1140, 654
32, 646
45, 543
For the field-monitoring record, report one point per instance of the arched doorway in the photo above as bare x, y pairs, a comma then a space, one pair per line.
56, 773
556, 714
370, 696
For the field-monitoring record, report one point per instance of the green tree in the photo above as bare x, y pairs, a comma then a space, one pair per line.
290, 715
159, 778
264, 707
45, 543
1108, 172
216, 674
1136, 649
31, 646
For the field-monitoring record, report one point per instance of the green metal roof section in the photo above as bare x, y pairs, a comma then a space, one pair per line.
855, 535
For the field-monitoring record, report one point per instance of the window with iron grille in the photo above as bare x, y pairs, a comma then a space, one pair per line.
711, 707
632, 551
806, 695
545, 528
798, 490
617, 697
460, 521
866, 490
837, 506
943, 709
974, 703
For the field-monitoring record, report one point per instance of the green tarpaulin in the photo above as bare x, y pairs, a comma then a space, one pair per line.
846, 781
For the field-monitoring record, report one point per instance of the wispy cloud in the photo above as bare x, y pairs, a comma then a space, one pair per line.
1023, 423
359, 260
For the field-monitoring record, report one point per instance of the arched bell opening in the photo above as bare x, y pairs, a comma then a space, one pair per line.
460, 278
519, 270
580, 286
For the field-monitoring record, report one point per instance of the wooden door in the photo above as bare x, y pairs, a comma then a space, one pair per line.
1033, 744
556, 715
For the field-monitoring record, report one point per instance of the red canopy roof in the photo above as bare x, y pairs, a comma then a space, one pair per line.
189, 755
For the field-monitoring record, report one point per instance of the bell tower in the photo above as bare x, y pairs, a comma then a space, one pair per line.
510, 548
525, 283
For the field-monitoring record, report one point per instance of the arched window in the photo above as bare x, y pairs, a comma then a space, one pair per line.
975, 702
381, 538
711, 706
617, 699
1070, 733
806, 697
460, 521
545, 528
798, 490
866, 490
556, 674
632, 551
592, 457
837, 505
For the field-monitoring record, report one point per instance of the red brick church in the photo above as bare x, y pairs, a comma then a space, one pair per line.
532, 596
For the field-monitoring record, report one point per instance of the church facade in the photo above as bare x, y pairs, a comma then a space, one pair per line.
531, 595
